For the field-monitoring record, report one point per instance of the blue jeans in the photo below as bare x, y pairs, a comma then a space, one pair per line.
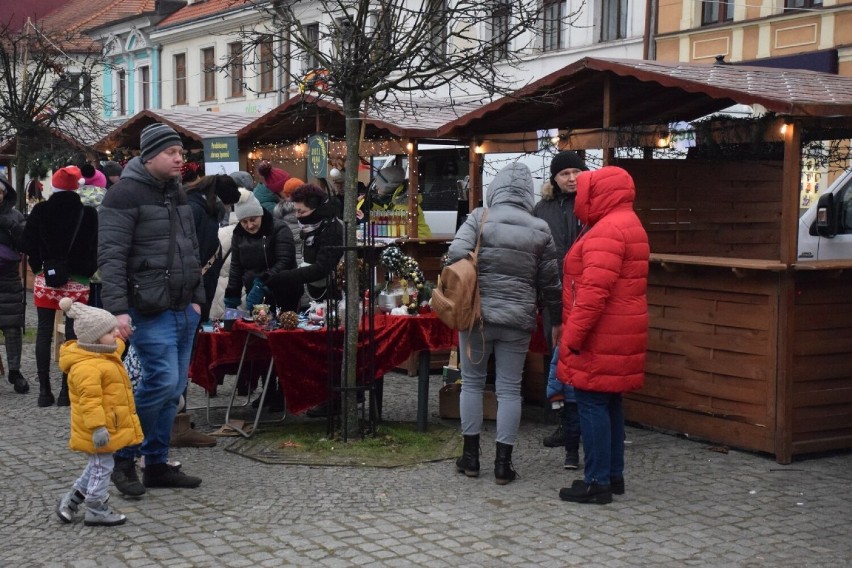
510, 346
602, 424
163, 344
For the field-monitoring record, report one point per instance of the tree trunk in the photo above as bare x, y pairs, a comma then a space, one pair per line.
350, 423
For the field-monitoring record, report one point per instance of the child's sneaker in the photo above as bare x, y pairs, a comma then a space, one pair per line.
572, 459
98, 513
69, 505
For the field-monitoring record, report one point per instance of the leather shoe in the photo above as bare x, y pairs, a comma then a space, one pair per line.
20, 383
582, 492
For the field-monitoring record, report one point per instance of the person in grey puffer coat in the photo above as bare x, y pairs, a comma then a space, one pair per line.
517, 264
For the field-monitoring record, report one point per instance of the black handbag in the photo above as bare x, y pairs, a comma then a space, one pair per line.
56, 269
149, 289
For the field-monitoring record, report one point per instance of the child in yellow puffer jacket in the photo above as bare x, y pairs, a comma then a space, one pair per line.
103, 413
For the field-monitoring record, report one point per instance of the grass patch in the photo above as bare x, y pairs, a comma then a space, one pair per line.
394, 444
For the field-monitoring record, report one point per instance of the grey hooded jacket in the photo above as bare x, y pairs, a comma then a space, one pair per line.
133, 235
517, 257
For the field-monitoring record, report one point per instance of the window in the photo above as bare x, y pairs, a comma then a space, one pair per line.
613, 20
74, 90
552, 25
716, 11
312, 38
267, 64
235, 67
208, 72
437, 11
500, 15
145, 86
122, 92
792, 5
180, 79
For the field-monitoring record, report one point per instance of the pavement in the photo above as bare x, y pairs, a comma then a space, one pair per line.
686, 504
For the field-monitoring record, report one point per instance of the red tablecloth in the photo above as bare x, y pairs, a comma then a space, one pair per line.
301, 357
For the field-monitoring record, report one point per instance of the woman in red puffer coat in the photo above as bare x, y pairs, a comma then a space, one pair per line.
604, 324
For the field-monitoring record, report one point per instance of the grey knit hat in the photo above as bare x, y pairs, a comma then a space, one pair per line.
111, 168
90, 324
243, 179
247, 206
156, 138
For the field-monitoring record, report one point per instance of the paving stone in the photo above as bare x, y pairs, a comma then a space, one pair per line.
684, 506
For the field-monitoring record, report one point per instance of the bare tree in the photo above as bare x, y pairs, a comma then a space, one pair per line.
377, 55
48, 102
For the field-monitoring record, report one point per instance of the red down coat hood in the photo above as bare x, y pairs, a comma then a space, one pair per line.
605, 309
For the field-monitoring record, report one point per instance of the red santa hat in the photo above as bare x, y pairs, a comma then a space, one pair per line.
66, 179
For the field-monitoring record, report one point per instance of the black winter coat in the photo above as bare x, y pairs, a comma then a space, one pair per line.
11, 288
134, 236
49, 229
557, 209
269, 251
321, 251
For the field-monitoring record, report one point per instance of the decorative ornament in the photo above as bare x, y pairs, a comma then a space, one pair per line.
288, 320
261, 314
363, 276
392, 259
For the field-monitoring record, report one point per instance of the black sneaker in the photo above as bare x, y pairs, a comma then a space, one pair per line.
125, 478
165, 475
617, 485
572, 459
582, 492
20, 383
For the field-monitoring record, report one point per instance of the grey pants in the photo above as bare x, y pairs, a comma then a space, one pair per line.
14, 344
510, 346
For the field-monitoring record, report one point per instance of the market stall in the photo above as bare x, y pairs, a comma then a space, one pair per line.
749, 346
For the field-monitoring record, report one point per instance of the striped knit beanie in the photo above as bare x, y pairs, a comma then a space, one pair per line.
156, 138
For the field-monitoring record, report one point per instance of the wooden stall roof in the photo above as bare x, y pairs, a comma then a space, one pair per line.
306, 114
652, 91
192, 125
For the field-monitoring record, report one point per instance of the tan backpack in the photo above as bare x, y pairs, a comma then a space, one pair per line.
455, 299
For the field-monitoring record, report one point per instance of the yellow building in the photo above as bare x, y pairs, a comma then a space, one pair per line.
812, 34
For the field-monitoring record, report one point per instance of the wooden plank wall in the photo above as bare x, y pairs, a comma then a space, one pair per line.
822, 362
711, 366
727, 209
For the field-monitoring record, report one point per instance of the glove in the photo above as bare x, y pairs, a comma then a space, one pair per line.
232, 302
100, 437
256, 295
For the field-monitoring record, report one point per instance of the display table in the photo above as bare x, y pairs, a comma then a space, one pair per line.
301, 356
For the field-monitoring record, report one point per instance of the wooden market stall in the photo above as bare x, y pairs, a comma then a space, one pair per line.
395, 129
748, 346
192, 126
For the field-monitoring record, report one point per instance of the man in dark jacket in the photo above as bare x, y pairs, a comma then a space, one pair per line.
556, 207
137, 220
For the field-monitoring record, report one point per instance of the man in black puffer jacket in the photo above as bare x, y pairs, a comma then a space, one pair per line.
136, 219
11, 287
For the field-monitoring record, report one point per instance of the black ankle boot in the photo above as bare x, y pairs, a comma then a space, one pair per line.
468, 463
62, 399
503, 470
45, 395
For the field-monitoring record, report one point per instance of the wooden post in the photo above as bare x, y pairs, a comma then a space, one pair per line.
790, 180
413, 188
608, 154
475, 181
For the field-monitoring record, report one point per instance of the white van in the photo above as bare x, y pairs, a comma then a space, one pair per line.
825, 230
